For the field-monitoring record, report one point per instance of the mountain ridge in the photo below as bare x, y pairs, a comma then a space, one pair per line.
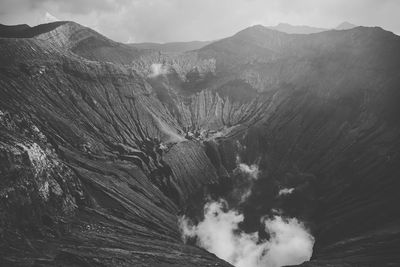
177, 47
304, 29
25, 31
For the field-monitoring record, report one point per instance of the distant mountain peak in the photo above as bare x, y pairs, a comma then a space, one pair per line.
296, 29
256, 28
345, 26
284, 24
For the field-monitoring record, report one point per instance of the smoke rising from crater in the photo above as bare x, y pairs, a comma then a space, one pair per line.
250, 174
290, 242
285, 191
251, 170
158, 69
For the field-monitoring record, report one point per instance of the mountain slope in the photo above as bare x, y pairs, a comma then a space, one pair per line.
304, 29
345, 26
76, 38
99, 158
297, 29
25, 31
90, 165
333, 128
89, 44
327, 125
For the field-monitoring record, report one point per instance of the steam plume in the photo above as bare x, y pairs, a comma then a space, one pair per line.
290, 242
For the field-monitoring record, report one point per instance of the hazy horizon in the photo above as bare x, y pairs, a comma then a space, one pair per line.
191, 20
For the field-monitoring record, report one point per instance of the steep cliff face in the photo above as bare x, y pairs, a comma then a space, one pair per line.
102, 146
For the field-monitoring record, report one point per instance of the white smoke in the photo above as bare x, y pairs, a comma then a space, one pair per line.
49, 18
290, 243
130, 40
285, 191
250, 173
157, 69
252, 170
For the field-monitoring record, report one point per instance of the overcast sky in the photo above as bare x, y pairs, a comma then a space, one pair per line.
186, 20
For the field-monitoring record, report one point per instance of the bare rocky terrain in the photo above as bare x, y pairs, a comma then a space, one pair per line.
103, 145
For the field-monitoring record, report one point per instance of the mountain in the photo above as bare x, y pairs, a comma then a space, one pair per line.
75, 38
303, 29
103, 146
298, 29
25, 31
90, 159
176, 47
345, 26
327, 94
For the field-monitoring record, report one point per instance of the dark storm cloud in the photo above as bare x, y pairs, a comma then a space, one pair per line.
183, 20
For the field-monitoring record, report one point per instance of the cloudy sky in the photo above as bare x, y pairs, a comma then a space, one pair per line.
185, 20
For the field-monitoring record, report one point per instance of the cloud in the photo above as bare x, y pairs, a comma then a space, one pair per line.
157, 69
285, 191
290, 242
